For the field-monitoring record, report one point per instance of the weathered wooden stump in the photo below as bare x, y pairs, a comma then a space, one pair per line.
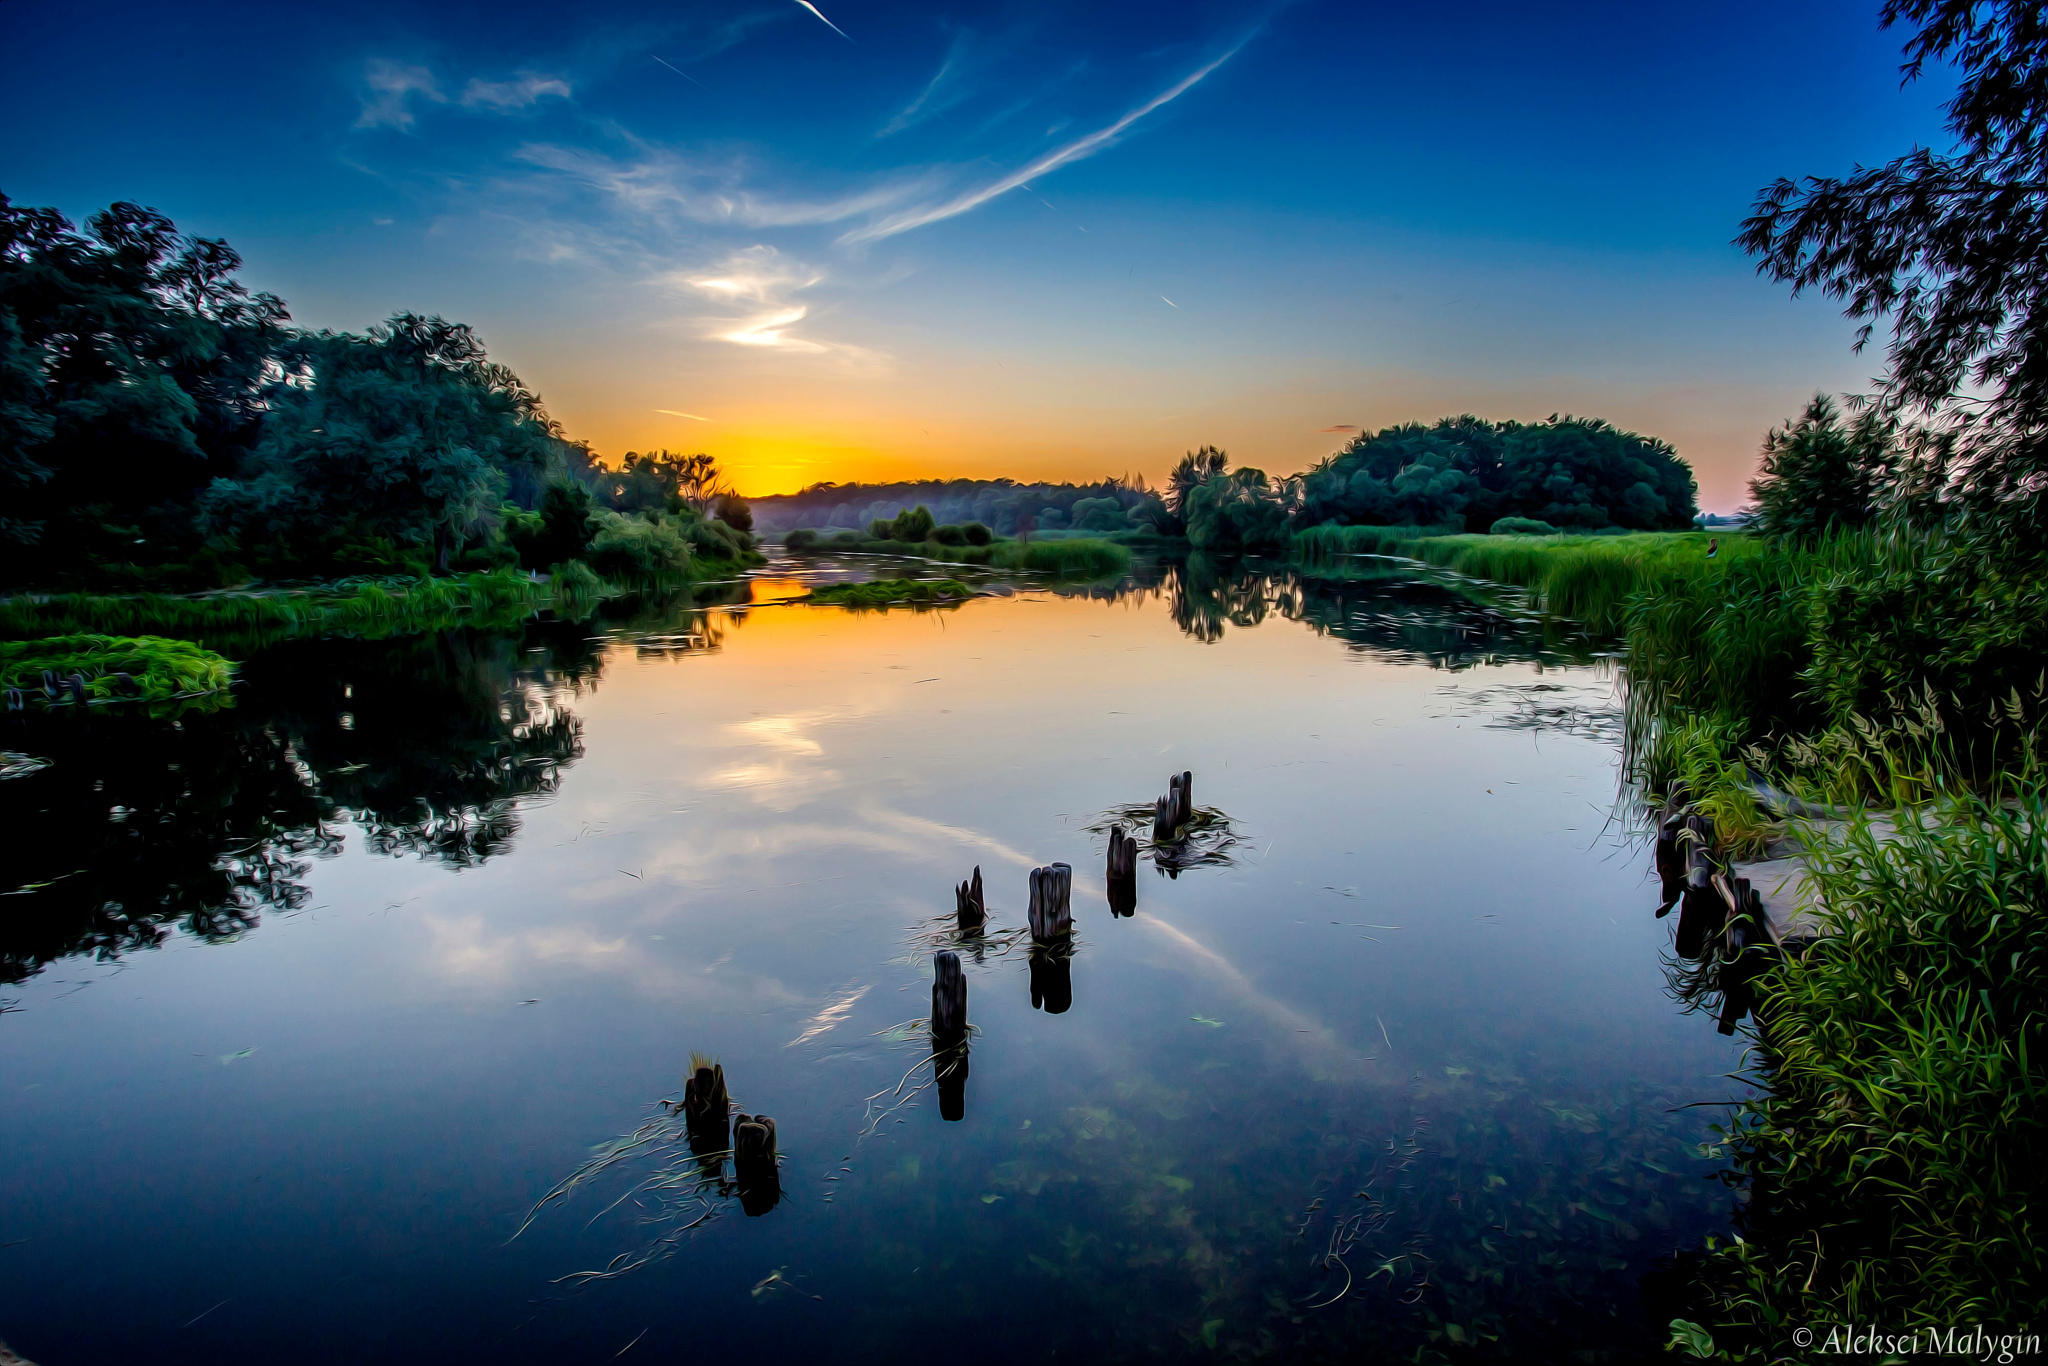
1670, 860
1121, 875
705, 1107
75, 687
753, 1163
949, 999
50, 686
1050, 911
1701, 912
15, 700
1172, 812
969, 904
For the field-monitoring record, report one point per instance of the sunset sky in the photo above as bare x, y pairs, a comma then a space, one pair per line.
873, 241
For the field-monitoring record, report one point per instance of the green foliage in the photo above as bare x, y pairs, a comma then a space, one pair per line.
1819, 474
977, 534
1084, 559
735, 511
1098, 514
157, 669
1520, 526
891, 592
1193, 470
559, 529
661, 481
408, 433
1571, 472
1894, 1151
1003, 505
949, 535
364, 608
912, 525
803, 538
1945, 249
1239, 512
638, 550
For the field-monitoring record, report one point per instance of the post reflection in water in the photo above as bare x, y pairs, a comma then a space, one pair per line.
736, 829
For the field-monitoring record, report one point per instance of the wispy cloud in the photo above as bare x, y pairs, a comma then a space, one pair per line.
522, 91
928, 101
1338, 428
671, 412
754, 296
658, 182
388, 90
1077, 150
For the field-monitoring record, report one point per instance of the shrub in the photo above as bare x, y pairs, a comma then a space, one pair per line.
882, 529
803, 538
734, 511
977, 534
1521, 526
634, 549
949, 535
913, 525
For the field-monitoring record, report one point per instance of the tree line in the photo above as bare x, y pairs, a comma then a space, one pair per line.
162, 423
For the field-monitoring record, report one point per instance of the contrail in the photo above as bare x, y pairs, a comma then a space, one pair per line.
821, 16
686, 76
1074, 151
673, 413
1169, 303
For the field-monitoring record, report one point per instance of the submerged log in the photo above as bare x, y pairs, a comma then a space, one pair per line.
968, 903
1050, 911
949, 998
705, 1107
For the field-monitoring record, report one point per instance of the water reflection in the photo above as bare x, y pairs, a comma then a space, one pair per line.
137, 825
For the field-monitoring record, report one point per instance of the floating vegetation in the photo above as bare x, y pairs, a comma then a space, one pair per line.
15, 764
1208, 839
878, 594
80, 669
1548, 708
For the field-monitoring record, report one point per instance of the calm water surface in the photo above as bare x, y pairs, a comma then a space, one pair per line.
310, 1000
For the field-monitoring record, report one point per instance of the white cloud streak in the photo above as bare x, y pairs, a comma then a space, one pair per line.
521, 92
663, 183
390, 87
1078, 150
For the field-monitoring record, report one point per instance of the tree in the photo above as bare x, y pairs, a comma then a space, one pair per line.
405, 435
734, 511
1194, 468
1820, 474
133, 369
1950, 250
912, 524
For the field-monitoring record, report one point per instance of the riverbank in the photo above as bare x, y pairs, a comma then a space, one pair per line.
1079, 558
1887, 1157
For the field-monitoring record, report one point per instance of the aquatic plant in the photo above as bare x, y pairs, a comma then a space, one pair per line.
882, 593
116, 668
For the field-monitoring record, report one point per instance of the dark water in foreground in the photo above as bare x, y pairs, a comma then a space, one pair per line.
309, 1000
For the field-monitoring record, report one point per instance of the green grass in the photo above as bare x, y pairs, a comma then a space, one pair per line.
1895, 1150
363, 608
1075, 558
158, 670
891, 593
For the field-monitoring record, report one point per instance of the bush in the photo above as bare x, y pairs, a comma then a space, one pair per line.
913, 525
882, 529
949, 535
734, 511
803, 538
632, 549
1521, 526
850, 540
977, 534
1065, 559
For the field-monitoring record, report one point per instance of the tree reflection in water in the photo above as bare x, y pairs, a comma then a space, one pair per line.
427, 745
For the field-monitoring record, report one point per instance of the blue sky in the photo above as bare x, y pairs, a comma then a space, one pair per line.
877, 240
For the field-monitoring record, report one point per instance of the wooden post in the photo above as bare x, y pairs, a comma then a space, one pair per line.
1162, 820
968, 903
704, 1103
1050, 910
949, 999
949, 1069
1121, 873
1184, 798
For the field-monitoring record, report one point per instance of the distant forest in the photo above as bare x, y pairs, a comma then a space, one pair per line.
1463, 473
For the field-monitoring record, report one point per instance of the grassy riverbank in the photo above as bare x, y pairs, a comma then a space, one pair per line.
114, 668
1902, 1066
1077, 558
878, 593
